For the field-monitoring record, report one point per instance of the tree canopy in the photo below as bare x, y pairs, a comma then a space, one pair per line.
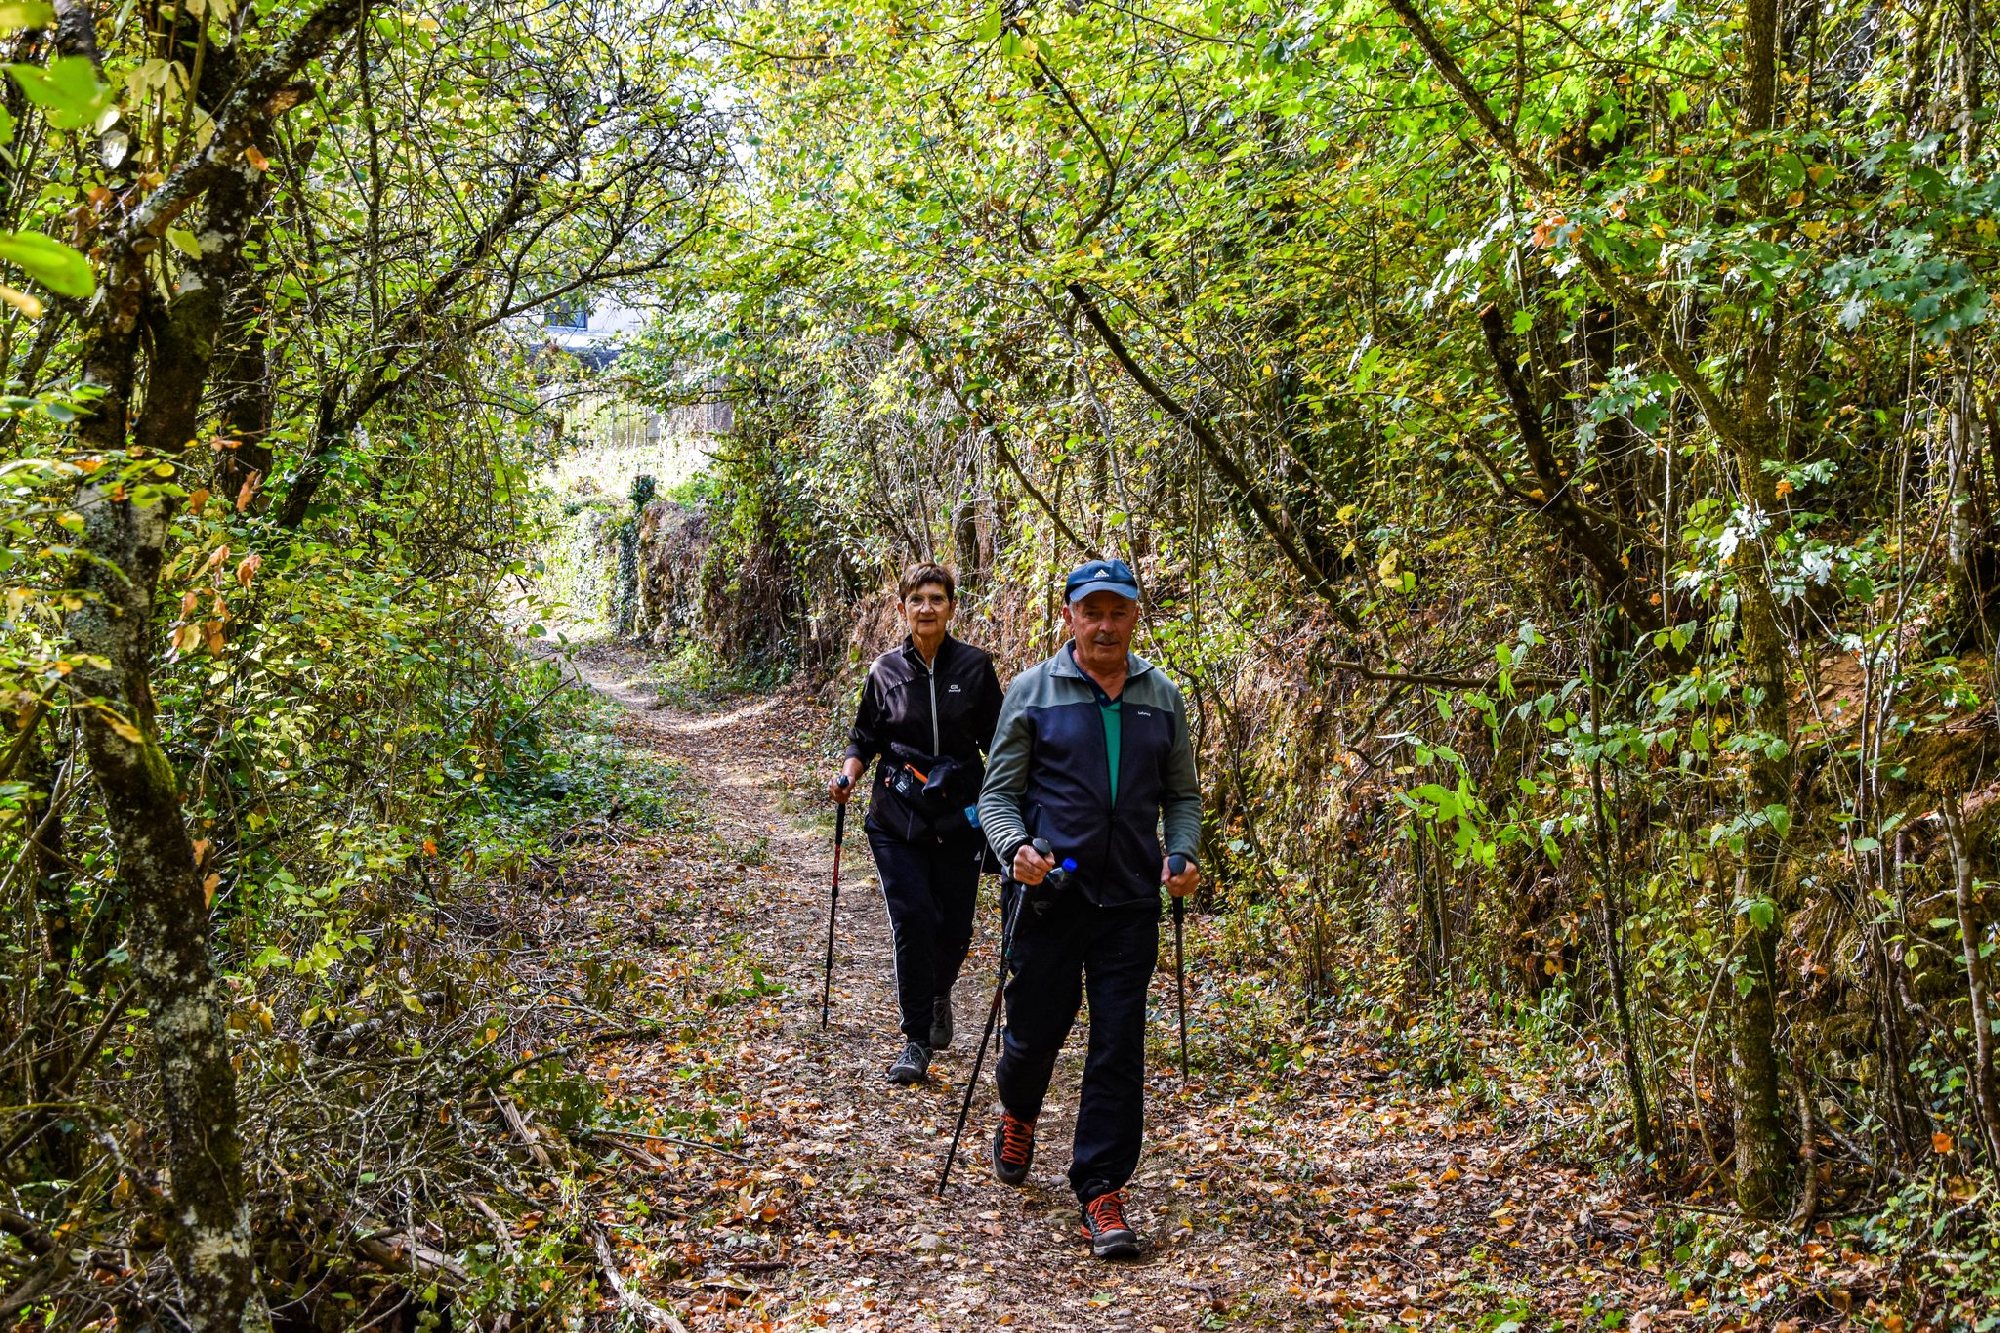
1560, 444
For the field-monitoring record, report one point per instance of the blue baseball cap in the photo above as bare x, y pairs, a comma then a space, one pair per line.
1101, 576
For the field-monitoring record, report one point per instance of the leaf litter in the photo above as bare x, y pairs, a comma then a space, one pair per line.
771, 1178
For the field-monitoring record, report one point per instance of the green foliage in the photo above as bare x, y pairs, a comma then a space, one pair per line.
55, 265
68, 91
1558, 451
1943, 1225
1573, 530
274, 417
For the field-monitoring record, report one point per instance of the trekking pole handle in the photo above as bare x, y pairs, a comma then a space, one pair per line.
1176, 863
843, 781
1063, 871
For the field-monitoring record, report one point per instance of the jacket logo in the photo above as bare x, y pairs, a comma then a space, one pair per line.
952, 690
1144, 713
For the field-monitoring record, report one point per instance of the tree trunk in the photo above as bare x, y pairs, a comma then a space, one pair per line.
208, 1233
1606, 816
1978, 984
1763, 1157
123, 546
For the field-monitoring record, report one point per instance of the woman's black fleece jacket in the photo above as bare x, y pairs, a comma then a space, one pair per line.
910, 713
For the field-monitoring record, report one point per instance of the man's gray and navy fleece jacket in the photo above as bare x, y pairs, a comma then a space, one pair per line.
1048, 775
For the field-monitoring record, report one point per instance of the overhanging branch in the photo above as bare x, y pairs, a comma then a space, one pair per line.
1628, 297
1220, 458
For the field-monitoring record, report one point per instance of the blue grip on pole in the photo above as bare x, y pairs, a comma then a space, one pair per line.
1176, 864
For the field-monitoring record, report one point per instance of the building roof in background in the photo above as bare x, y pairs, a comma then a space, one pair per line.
593, 331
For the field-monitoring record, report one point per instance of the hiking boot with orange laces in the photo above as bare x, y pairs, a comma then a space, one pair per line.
1104, 1223
1013, 1149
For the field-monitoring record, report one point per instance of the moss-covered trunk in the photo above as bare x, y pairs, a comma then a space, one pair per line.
147, 346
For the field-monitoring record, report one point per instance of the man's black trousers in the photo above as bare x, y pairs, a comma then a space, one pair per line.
1060, 954
930, 887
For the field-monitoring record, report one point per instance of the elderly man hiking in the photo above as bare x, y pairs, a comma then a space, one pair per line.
1090, 757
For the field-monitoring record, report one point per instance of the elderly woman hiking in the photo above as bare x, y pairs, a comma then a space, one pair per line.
926, 719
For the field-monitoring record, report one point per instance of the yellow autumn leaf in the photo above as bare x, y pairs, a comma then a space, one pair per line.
28, 304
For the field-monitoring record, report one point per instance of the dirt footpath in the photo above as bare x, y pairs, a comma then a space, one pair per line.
1328, 1193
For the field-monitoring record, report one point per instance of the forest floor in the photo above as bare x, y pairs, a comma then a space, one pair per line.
776, 1181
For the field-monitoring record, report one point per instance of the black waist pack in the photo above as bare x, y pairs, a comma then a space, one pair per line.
936, 789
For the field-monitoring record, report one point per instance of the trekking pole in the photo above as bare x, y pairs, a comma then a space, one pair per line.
833, 906
1007, 919
1175, 865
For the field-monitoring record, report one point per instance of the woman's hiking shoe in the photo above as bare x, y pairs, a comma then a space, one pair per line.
1013, 1149
941, 1022
913, 1065
1104, 1223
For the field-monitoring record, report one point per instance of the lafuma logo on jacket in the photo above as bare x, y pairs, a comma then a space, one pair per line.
953, 689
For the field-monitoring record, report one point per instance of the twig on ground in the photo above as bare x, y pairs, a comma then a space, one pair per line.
633, 1151
759, 1265
1683, 1206
399, 1251
568, 1048
512, 1115
503, 1235
655, 1316
670, 1138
